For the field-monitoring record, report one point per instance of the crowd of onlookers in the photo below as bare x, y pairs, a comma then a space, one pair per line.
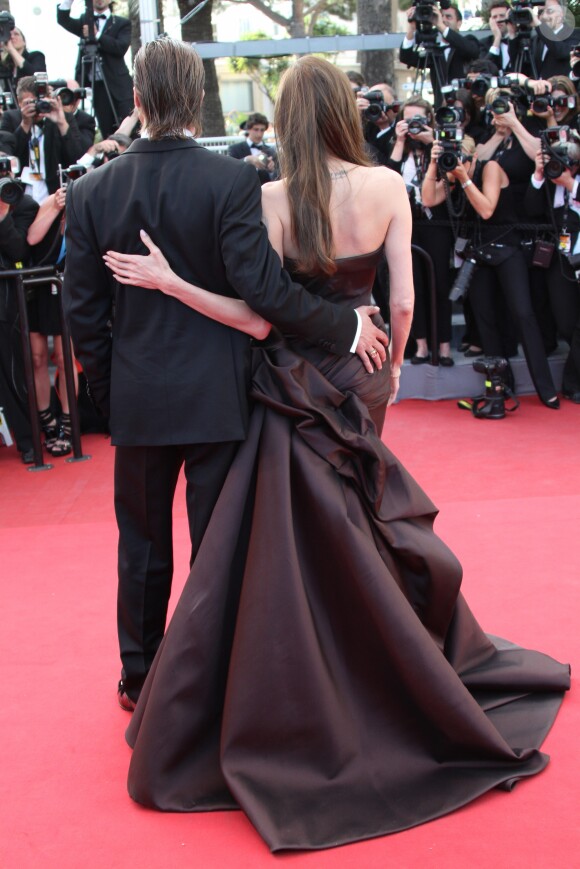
490, 166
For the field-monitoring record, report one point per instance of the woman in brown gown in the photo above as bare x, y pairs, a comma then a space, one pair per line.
322, 670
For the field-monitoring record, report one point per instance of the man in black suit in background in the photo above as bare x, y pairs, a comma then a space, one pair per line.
551, 40
112, 38
254, 151
456, 50
173, 383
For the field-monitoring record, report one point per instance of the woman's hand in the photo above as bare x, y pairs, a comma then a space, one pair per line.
426, 137
152, 272
436, 151
460, 172
540, 161
401, 130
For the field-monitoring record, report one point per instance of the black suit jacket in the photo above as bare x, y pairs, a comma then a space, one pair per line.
34, 61
556, 60
242, 149
87, 127
485, 53
167, 374
64, 150
112, 44
463, 49
14, 248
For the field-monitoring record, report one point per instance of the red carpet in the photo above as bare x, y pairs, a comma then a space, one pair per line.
509, 495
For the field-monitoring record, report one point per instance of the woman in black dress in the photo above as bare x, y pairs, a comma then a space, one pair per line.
322, 670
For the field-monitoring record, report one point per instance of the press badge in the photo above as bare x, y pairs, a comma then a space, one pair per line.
564, 242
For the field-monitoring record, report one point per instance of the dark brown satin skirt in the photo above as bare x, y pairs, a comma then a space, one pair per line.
322, 671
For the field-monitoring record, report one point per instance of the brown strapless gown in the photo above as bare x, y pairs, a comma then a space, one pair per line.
322, 670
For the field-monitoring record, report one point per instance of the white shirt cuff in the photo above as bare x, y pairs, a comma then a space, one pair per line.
65, 5
537, 184
408, 43
445, 33
495, 50
358, 331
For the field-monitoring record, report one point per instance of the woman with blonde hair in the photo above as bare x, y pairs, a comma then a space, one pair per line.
322, 671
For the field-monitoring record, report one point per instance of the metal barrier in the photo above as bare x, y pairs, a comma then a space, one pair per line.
29, 278
430, 269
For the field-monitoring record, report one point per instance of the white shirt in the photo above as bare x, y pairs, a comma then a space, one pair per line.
560, 201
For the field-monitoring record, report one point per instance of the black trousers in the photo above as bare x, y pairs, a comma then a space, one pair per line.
104, 111
437, 241
13, 394
510, 281
145, 481
565, 302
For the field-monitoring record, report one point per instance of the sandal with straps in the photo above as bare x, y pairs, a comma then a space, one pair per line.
56, 438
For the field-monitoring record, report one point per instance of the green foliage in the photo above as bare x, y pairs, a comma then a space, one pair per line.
324, 26
264, 71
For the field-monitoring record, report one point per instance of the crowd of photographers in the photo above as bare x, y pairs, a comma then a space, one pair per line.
46, 140
491, 170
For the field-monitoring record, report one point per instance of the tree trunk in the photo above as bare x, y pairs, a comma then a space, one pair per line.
297, 27
199, 29
4, 5
375, 16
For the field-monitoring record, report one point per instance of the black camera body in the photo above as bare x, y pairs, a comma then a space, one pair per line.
491, 405
66, 176
449, 134
423, 18
68, 96
7, 25
41, 92
520, 15
417, 124
6, 101
539, 105
562, 151
11, 191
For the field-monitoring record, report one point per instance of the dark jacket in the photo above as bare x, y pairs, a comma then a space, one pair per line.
556, 60
64, 150
242, 149
112, 47
34, 61
167, 374
14, 247
463, 49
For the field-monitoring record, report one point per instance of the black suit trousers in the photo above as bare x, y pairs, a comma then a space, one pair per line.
565, 302
103, 106
145, 481
511, 278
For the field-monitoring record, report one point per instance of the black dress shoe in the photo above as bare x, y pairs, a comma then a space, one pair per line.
419, 360
27, 457
123, 699
572, 396
552, 403
471, 354
446, 361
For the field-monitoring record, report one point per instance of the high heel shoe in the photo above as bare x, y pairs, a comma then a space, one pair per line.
553, 403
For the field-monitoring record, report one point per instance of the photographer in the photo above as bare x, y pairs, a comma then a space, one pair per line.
457, 50
551, 39
501, 277
16, 61
508, 125
503, 31
558, 105
562, 197
16, 216
102, 52
45, 137
378, 107
410, 157
254, 151
71, 96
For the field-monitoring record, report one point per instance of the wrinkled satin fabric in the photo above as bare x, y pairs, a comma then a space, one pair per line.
322, 670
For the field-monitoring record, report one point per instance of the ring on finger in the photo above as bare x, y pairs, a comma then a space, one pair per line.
372, 352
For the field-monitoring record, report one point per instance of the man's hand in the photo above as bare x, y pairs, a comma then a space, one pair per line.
372, 341
4, 209
28, 113
411, 26
437, 19
566, 179
540, 161
86, 31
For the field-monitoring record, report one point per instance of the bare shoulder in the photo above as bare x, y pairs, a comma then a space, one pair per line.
273, 192
386, 180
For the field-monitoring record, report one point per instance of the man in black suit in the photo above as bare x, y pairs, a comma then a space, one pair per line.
85, 122
254, 151
380, 128
454, 49
172, 383
496, 47
43, 140
551, 39
111, 38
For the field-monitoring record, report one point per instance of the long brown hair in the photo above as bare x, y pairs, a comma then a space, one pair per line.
169, 79
315, 117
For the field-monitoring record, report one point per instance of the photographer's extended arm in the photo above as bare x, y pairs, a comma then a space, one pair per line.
483, 201
63, 17
465, 47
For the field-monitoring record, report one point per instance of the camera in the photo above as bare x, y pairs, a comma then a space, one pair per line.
7, 25
417, 124
68, 96
500, 105
66, 176
562, 149
491, 405
449, 134
521, 16
542, 104
423, 18
465, 273
103, 157
6, 101
41, 91
378, 106
11, 191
